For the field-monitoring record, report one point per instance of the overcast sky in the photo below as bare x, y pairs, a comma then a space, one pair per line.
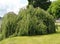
11, 5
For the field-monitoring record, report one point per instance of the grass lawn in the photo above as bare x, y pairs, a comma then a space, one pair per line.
44, 39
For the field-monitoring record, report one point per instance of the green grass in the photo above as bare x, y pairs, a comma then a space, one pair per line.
43, 39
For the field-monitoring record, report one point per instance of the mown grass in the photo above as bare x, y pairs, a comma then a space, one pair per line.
44, 39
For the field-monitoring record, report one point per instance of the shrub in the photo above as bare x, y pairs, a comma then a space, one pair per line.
8, 24
35, 21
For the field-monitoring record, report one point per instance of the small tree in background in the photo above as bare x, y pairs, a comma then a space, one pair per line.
54, 9
8, 24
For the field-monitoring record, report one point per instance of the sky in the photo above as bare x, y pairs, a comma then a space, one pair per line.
12, 6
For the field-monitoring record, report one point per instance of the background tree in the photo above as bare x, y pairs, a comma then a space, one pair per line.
54, 9
44, 4
8, 24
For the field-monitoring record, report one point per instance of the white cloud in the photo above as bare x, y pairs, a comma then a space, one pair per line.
11, 5
52, 0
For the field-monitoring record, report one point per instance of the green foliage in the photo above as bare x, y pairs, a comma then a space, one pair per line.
54, 9
35, 21
1, 38
30, 21
44, 4
8, 24
44, 39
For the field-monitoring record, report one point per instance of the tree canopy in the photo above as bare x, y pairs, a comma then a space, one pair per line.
44, 4
54, 9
